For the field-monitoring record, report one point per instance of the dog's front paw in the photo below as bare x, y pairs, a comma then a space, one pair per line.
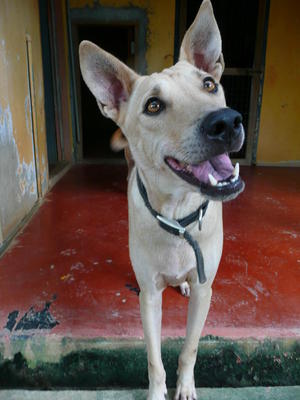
185, 391
185, 289
157, 392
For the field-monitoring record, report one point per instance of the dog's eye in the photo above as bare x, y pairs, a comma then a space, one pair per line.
210, 85
153, 106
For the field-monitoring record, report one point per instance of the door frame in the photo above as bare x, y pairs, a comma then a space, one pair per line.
256, 72
98, 15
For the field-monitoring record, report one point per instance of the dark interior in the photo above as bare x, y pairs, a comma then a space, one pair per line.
96, 129
237, 21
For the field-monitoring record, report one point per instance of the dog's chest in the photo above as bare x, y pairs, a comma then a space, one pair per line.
171, 256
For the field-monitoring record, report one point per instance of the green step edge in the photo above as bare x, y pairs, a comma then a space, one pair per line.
49, 361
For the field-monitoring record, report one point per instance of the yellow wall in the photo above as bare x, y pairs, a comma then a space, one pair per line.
19, 178
279, 135
160, 38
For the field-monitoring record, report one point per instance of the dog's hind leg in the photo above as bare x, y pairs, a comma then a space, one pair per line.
198, 309
151, 311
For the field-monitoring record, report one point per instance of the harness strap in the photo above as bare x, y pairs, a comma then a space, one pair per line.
177, 226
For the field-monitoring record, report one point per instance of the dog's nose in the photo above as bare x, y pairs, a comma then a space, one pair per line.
224, 125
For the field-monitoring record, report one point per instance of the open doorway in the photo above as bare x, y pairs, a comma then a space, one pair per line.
96, 130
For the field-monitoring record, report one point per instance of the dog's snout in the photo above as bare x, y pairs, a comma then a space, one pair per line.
224, 125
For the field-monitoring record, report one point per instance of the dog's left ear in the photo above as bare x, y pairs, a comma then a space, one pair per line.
202, 44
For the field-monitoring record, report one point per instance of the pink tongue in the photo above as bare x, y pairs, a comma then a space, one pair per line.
219, 167
222, 165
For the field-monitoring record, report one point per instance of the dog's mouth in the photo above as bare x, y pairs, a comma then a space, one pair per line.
216, 178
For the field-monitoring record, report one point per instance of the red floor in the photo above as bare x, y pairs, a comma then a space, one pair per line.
74, 254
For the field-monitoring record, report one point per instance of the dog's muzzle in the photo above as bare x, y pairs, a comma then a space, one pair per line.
221, 132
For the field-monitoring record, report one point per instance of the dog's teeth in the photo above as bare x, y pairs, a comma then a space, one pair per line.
212, 180
224, 183
236, 171
189, 168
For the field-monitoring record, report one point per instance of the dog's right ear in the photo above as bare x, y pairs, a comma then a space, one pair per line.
108, 78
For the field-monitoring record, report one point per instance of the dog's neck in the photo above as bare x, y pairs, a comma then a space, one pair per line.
171, 200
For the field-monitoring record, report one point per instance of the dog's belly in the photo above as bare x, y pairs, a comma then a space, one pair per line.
170, 280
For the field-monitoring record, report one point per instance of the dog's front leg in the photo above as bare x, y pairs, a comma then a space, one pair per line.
151, 304
198, 309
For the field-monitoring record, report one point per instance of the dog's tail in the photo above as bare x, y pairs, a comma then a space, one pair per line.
118, 141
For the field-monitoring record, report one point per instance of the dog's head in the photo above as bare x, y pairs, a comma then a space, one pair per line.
176, 121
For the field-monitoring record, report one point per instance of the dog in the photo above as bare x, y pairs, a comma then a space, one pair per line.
179, 133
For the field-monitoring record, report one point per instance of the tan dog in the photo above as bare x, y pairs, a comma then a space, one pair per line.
179, 133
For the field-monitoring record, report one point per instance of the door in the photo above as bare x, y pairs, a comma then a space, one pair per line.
56, 86
51, 134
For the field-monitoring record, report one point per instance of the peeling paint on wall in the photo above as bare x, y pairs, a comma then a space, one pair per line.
21, 169
16, 176
3, 52
44, 175
27, 180
28, 115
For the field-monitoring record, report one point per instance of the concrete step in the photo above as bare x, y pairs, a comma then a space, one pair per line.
48, 362
257, 393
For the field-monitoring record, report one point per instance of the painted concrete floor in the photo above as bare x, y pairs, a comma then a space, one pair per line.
70, 272
259, 393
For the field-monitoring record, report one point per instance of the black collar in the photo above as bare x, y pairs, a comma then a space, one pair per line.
178, 226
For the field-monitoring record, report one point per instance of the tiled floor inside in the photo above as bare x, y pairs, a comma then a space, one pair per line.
70, 271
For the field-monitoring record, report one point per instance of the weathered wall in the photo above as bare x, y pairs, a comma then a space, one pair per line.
20, 180
279, 138
160, 30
